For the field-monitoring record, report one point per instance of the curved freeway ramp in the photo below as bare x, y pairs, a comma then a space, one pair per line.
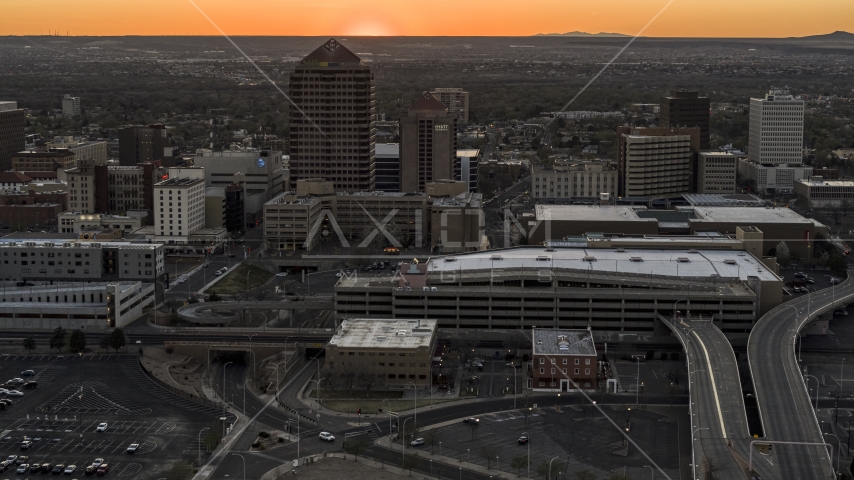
784, 406
720, 434
224, 312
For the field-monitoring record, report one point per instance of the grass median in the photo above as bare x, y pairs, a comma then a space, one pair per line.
371, 406
244, 277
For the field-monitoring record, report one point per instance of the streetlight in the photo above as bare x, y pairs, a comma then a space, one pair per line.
637, 380
402, 446
514, 386
415, 401
841, 371
200, 445
244, 464
317, 387
223, 385
695, 432
550, 467
251, 353
223, 419
651, 472
817, 385
528, 443
838, 450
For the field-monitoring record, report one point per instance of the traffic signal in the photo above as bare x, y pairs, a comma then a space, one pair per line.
360, 412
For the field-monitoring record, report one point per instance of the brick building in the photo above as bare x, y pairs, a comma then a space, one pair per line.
560, 356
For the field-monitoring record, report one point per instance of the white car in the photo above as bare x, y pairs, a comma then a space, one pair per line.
15, 393
23, 468
16, 381
417, 442
102, 427
133, 447
70, 469
339, 274
98, 462
327, 436
282, 274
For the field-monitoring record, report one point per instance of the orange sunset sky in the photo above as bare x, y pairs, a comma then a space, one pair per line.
684, 18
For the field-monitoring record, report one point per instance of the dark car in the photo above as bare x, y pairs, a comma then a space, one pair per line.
91, 469
35, 467
46, 467
472, 421
103, 470
58, 468
28, 373
4, 465
522, 440
31, 384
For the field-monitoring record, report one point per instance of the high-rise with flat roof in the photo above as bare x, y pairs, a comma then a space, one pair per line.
716, 172
455, 99
12, 121
656, 162
70, 106
388, 167
428, 144
687, 109
333, 119
180, 208
776, 135
140, 144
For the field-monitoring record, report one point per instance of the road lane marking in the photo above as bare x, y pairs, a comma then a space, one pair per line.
714, 385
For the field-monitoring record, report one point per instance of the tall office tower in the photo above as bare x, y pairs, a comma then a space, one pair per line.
656, 163
332, 137
388, 167
652, 170
140, 144
12, 121
776, 129
455, 99
70, 106
428, 144
687, 109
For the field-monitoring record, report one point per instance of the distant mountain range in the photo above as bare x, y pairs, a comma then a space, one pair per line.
581, 34
835, 36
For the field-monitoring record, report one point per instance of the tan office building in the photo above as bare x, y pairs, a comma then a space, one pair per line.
825, 193
455, 99
46, 161
397, 352
583, 180
716, 172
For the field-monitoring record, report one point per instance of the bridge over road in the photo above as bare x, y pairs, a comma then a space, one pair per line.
226, 312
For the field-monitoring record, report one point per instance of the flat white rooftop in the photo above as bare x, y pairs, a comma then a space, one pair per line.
670, 263
827, 183
749, 215
384, 333
598, 213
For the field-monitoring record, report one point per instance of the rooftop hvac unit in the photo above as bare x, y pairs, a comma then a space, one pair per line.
683, 260
496, 257
589, 259
636, 259
730, 261
543, 258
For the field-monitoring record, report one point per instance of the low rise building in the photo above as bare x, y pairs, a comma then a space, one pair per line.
563, 360
74, 222
20, 217
583, 181
75, 305
621, 290
13, 182
395, 352
773, 178
80, 260
53, 160
716, 173
821, 193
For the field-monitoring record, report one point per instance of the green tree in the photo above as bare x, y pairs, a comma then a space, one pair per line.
431, 437
837, 264
782, 254
117, 339
30, 344
57, 341
355, 447
77, 342
488, 453
213, 297
585, 475
411, 461
105, 342
519, 463
543, 469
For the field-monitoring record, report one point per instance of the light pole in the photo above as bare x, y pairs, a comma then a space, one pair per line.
841, 371
317, 388
651, 472
514, 385
200, 445
817, 385
223, 386
251, 353
402, 446
550, 467
838, 450
244, 464
637, 380
528, 444
415, 401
